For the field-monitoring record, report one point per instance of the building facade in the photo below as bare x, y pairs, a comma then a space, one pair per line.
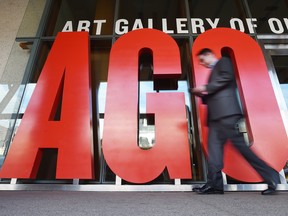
111, 22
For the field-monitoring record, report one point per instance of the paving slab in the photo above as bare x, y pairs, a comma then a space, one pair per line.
72, 203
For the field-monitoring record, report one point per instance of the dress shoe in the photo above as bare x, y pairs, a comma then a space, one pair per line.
272, 185
210, 190
269, 191
197, 189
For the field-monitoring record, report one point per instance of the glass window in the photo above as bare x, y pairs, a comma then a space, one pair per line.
94, 16
45, 47
15, 92
271, 15
97, 17
12, 87
208, 13
100, 51
281, 67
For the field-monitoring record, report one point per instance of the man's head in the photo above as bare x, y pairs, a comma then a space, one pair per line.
206, 57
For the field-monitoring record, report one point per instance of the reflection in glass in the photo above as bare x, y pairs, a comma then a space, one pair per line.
281, 67
285, 169
99, 56
12, 86
284, 88
147, 122
27, 95
101, 105
147, 87
12, 107
6, 134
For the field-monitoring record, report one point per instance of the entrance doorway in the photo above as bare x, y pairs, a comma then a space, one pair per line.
277, 54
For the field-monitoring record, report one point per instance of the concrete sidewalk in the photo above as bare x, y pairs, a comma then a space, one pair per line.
29, 203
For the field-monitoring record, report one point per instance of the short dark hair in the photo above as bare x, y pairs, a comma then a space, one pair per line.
204, 51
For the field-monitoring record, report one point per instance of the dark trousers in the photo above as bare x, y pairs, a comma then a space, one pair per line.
219, 132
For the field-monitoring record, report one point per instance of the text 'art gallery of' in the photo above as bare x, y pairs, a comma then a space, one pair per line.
95, 94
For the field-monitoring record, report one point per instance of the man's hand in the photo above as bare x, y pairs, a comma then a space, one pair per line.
199, 90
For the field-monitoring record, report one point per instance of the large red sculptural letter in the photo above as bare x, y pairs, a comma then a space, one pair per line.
65, 75
120, 145
264, 123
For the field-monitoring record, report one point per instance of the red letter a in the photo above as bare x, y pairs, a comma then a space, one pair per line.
65, 75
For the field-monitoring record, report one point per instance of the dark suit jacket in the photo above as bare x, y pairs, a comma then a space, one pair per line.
222, 100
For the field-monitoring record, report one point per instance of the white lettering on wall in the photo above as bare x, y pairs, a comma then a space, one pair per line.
83, 25
150, 23
165, 27
121, 26
276, 26
197, 23
213, 24
99, 26
181, 23
68, 27
239, 23
251, 24
137, 24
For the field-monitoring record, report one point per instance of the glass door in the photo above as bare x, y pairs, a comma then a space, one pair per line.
278, 68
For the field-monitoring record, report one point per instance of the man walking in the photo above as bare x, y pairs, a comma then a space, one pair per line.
223, 114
